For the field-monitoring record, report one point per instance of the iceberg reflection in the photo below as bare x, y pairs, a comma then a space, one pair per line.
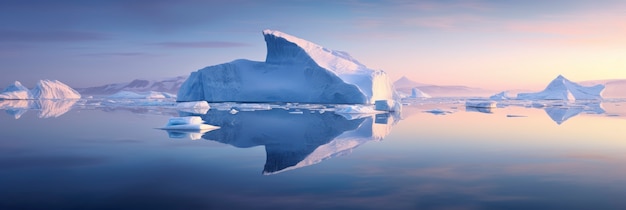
560, 114
295, 141
47, 108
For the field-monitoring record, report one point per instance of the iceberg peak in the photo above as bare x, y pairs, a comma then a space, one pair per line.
282, 47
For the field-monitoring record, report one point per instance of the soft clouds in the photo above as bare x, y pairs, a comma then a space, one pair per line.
12, 36
201, 44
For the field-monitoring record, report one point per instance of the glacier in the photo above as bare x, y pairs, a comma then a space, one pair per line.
563, 89
295, 70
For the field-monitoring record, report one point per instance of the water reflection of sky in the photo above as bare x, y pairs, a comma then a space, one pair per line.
113, 158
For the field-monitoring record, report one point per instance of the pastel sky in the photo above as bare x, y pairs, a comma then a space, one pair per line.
497, 44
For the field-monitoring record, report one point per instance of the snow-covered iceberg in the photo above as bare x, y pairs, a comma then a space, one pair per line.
295, 70
564, 89
16, 91
53, 89
504, 95
143, 95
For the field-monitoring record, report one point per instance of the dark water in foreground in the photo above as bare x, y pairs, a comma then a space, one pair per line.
98, 157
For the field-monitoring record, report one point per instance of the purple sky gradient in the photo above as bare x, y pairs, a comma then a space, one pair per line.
490, 44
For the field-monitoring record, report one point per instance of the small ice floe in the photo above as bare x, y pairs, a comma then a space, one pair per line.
248, 107
194, 107
193, 123
296, 112
514, 115
233, 111
438, 112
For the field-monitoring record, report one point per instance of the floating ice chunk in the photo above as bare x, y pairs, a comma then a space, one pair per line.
233, 111
480, 104
185, 120
195, 107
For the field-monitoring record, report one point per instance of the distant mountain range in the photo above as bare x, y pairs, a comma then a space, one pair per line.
405, 85
170, 85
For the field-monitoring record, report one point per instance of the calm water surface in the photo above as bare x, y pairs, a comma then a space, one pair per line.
82, 156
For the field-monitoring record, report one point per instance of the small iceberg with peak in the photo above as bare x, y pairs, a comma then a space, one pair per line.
563, 89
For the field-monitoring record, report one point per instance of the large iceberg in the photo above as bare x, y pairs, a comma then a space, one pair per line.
16, 91
295, 70
53, 89
564, 89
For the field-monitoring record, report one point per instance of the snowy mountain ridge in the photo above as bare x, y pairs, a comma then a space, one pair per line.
169, 85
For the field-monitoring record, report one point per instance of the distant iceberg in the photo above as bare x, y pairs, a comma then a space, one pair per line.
16, 91
504, 95
295, 70
45, 89
564, 89
53, 89
417, 93
144, 95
